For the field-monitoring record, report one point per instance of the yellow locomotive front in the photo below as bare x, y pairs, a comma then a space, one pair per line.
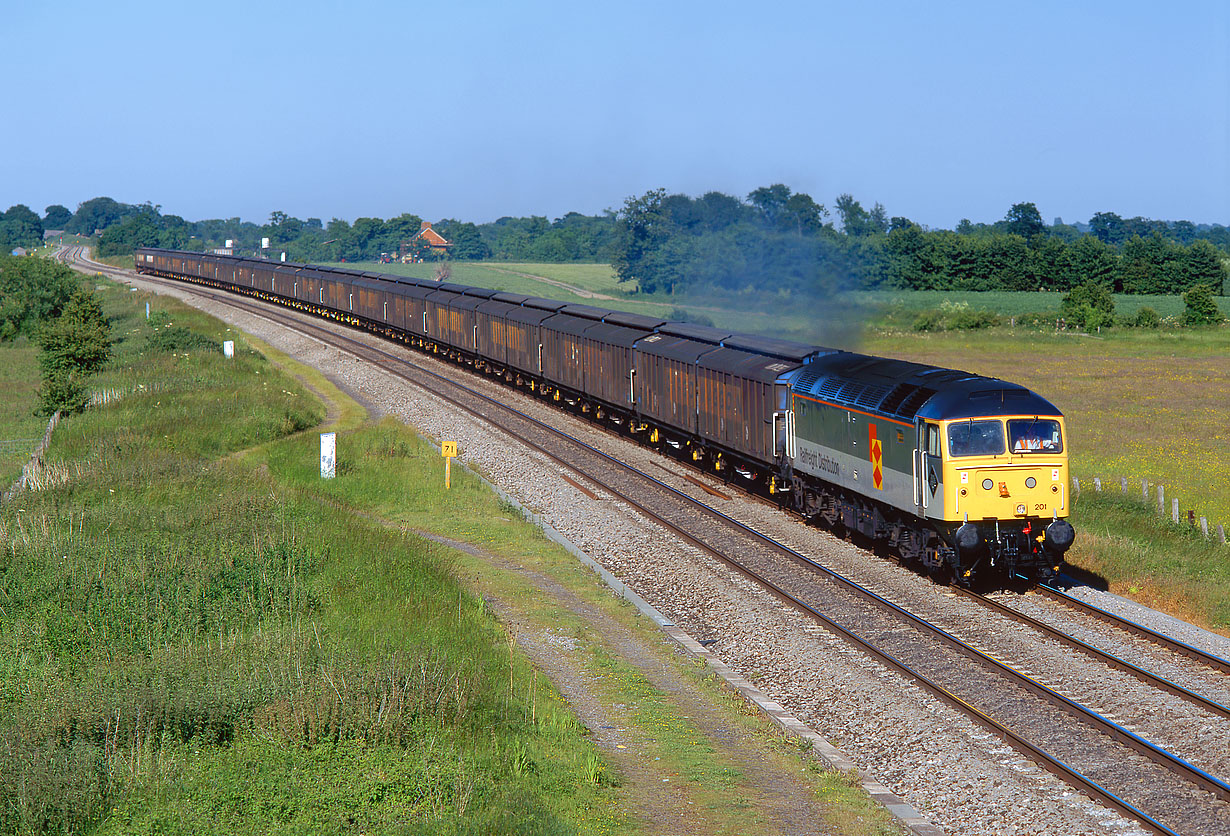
1006, 468
998, 482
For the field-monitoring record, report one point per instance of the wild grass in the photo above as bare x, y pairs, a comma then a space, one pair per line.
1146, 557
19, 380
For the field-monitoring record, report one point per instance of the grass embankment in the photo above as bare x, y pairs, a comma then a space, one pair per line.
187, 646
199, 635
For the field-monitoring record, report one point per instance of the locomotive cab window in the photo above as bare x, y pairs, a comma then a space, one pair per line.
1035, 435
933, 440
976, 438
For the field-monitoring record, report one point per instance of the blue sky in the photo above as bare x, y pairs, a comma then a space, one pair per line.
475, 110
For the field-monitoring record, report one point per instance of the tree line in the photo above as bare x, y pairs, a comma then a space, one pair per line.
774, 238
780, 240
572, 238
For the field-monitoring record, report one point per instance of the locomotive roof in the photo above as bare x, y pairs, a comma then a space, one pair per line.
903, 390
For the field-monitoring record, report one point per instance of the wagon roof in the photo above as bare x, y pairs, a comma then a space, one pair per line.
633, 320
701, 333
672, 347
748, 365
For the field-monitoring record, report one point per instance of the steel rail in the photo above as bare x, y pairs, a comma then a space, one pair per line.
1129, 626
1110, 659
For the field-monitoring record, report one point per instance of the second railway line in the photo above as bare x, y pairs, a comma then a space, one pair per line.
718, 541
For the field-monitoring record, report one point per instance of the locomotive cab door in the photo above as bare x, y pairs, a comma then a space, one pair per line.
928, 471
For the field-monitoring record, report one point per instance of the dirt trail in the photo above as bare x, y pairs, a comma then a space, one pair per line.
663, 800
579, 291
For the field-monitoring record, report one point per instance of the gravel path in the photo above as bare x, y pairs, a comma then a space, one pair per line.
961, 777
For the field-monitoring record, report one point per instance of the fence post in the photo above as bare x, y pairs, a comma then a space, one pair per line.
1221, 533
1097, 483
1076, 485
1174, 510
1161, 499
1204, 526
1123, 484
1144, 489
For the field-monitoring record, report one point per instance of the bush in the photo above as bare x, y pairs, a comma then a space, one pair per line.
1147, 318
957, 316
73, 346
175, 339
1201, 307
684, 315
1089, 306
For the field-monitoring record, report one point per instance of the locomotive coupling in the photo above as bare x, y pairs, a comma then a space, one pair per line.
1059, 537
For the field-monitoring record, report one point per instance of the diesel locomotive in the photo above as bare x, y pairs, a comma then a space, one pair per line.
962, 475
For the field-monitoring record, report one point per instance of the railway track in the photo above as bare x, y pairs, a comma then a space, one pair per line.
1096, 754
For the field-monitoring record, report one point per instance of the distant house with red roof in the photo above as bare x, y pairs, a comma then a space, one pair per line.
426, 241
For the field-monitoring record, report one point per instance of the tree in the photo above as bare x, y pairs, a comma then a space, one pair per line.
642, 231
56, 217
1200, 307
32, 290
98, 213
1108, 228
1025, 220
75, 345
770, 200
468, 245
1204, 265
20, 225
802, 214
855, 220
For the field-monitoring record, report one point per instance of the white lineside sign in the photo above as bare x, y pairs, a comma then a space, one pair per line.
328, 455
228, 348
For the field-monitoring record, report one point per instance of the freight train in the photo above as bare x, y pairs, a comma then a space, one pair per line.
962, 475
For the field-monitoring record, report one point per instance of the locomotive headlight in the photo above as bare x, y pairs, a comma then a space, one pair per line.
987, 484
1031, 482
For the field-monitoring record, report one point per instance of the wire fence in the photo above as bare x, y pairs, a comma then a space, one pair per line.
1153, 491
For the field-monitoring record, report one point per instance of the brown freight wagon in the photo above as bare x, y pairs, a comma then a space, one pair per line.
416, 309
666, 379
608, 364
737, 394
492, 317
523, 328
453, 319
563, 350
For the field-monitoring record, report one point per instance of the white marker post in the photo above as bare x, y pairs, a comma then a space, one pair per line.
328, 455
147, 310
228, 349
